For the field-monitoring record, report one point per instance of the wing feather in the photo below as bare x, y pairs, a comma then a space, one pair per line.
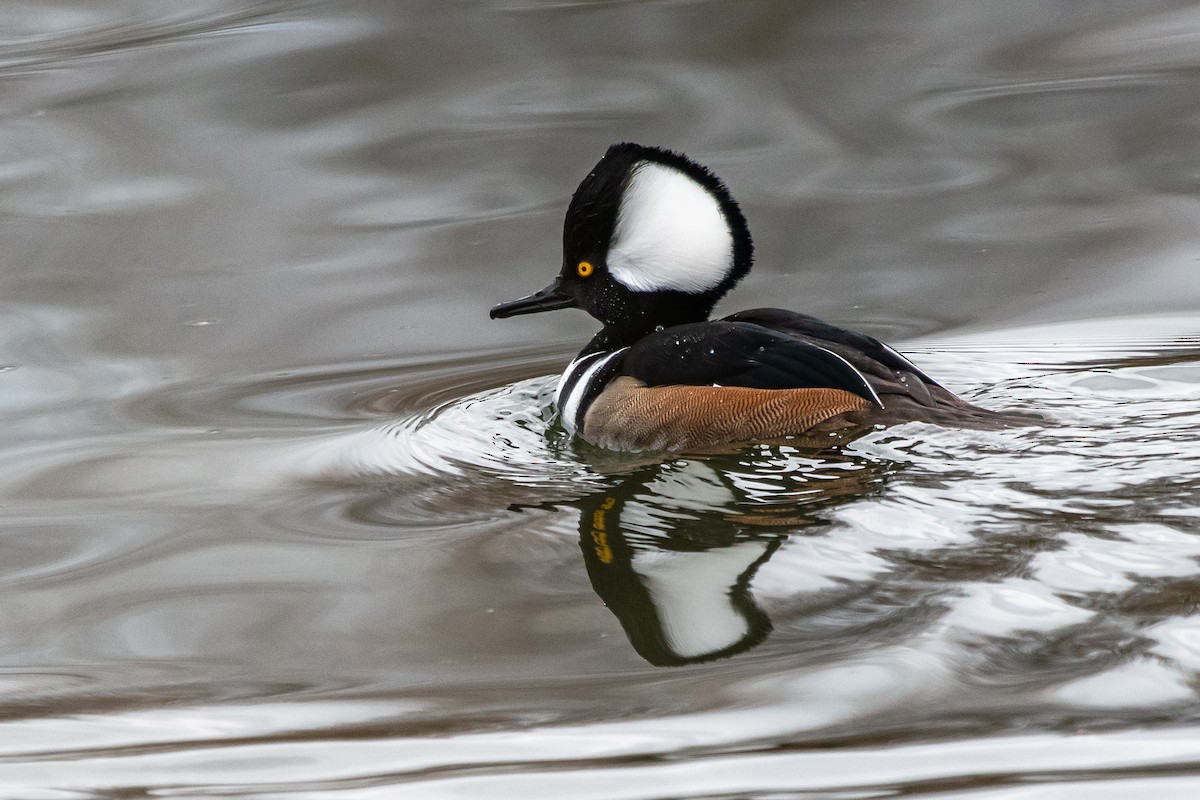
724, 353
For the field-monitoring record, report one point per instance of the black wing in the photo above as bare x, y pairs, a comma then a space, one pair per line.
727, 353
864, 352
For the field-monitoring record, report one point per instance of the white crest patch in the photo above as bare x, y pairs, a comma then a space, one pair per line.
670, 234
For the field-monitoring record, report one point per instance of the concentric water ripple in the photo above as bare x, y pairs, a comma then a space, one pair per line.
1014, 541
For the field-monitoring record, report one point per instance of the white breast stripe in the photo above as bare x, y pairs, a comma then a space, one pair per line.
569, 407
570, 372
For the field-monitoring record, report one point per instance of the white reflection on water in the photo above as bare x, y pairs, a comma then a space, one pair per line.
712, 753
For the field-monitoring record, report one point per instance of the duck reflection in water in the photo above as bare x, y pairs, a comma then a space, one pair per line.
673, 548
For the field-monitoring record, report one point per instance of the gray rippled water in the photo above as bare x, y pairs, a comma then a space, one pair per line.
285, 515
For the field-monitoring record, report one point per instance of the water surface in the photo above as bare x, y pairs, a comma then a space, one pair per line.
287, 516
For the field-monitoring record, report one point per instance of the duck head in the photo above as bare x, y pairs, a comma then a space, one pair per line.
651, 239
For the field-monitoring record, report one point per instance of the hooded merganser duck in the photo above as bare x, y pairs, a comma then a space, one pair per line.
651, 241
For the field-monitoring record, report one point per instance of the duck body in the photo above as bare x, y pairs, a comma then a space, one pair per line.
651, 241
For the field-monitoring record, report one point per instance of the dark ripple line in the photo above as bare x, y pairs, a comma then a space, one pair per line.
376, 388
99, 40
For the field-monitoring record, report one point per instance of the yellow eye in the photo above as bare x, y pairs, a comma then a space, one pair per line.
585, 269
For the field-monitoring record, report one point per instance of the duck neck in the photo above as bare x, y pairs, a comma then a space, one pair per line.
668, 310
614, 337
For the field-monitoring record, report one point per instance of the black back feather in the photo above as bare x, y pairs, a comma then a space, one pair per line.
844, 342
725, 353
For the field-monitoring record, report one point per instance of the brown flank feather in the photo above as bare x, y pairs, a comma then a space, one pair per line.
628, 415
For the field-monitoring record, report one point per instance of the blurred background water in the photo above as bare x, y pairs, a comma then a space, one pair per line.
285, 515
